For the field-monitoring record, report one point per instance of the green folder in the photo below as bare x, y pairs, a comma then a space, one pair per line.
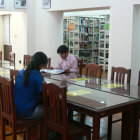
80, 79
114, 85
78, 92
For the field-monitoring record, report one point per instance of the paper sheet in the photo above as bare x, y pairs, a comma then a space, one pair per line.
52, 71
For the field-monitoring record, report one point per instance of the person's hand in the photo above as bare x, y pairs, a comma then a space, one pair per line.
67, 70
50, 68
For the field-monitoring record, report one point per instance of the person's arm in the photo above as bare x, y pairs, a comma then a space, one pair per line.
59, 66
74, 67
38, 79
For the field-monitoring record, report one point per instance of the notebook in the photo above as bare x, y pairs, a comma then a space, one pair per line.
52, 71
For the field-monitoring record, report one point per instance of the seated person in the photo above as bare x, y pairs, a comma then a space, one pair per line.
67, 62
28, 88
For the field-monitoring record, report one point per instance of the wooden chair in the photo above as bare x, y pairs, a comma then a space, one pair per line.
48, 65
93, 70
118, 74
12, 58
13, 74
49, 62
26, 60
93, 83
55, 114
80, 65
0, 58
8, 113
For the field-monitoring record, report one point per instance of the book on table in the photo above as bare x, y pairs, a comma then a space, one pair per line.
52, 71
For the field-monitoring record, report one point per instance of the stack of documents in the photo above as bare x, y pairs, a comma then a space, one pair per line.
52, 71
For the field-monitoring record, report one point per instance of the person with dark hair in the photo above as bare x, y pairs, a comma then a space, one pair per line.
67, 62
28, 88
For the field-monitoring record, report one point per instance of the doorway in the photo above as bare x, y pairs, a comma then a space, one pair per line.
13, 34
86, 33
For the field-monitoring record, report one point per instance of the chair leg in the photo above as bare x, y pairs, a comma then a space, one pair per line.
28, 134
64, 137
41, 132
24, 135
109, 133
70, 114
2, 129
14, 135
88, 136
45, 133
82, 118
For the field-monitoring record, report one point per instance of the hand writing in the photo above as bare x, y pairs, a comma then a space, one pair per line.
67, 70
50, 68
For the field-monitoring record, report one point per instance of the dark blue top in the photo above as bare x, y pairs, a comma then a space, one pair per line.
26, 97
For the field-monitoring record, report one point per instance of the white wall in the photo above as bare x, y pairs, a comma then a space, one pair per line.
88, 13
48, 32
50, 35
136, 45
44, 29
120, 34
1, 33
19, 34
31, 27
78, 4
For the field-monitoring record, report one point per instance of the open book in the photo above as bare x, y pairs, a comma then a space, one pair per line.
52, 71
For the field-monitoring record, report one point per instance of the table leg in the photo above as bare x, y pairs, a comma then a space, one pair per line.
96, 128
127, 124
136, 122
70, 114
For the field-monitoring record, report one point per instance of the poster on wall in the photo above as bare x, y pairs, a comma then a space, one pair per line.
1, 3
20, 3
46, 4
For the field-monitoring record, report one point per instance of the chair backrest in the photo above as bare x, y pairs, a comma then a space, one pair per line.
1, 58
48, 65
49, 62
55, 109
119, 74
93, 83
7, 99
13, 74
12, 58
93, 70
80, 65
139, 79
26, 60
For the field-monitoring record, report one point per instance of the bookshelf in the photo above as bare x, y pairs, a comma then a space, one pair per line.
87, 38
104, 41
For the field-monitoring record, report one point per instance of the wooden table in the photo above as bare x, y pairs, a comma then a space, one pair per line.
101, 101
99, 104
127, 90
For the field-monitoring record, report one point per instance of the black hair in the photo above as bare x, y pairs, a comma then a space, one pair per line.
39, 58
62, 49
